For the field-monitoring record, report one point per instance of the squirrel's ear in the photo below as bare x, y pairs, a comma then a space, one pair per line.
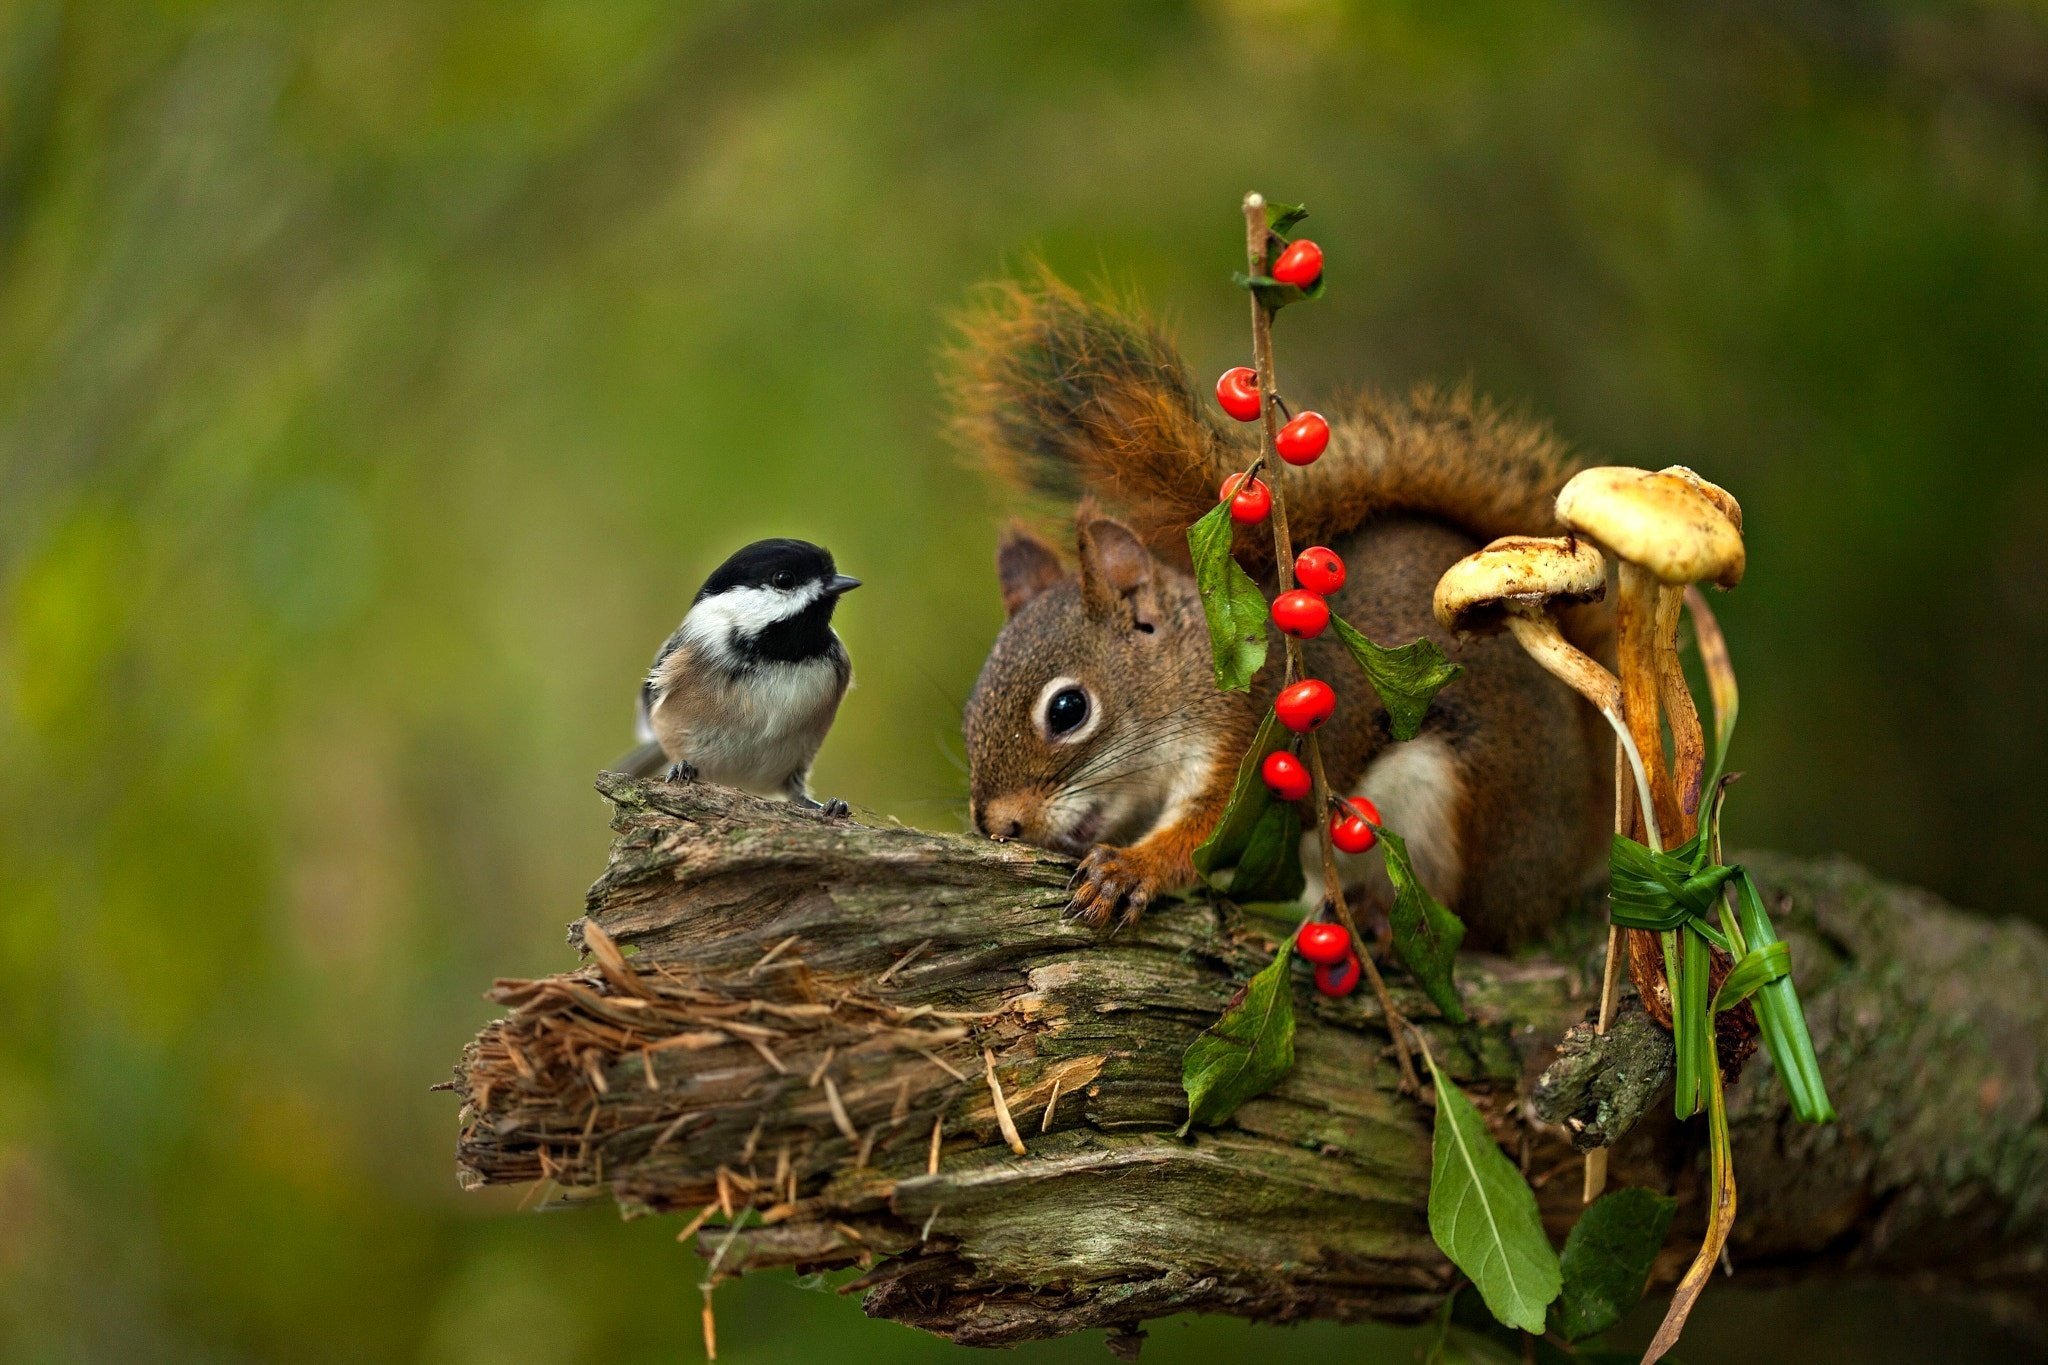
1026, 566
1116, 569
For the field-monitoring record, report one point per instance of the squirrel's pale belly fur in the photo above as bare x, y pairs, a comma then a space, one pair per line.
1418, 791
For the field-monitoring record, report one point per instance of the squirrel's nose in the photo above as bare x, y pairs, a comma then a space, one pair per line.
999, 819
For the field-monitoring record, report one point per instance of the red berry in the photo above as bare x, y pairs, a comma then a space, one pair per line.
1286, 775
1323, 943
1250, 503
1302, 440
1306, 705
1319, 570
1339, 978
1238, 392
1301, 614
1351, 825
1300, 264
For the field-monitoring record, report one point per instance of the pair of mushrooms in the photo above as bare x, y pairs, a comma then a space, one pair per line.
1666, 531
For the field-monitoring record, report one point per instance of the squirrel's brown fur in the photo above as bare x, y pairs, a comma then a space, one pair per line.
1503, 794
1063, 396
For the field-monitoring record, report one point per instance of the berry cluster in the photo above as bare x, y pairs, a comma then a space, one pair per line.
1353, 829
1302, 612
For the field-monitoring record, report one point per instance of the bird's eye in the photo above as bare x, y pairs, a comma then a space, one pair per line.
785, 580
1067, 710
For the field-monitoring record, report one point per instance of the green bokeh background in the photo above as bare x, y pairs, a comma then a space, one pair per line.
377, 381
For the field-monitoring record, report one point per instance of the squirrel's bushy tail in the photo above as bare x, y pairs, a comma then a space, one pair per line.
1068, 397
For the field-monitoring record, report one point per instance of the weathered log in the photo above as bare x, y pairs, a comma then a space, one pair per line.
826, 1023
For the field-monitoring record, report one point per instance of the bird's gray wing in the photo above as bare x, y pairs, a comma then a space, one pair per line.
647, 757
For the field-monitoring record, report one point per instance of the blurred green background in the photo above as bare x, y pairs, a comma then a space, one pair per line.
378, 381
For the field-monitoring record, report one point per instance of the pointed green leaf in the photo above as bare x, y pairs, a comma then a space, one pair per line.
1461, 1346
1466, 1332
1247, 1051
1692, 1025
1758, 968
1607, 1260
1281, 218
1483, 1216
1779, 1016
1249, 800
1287, 912
1275, 295
1426, 932
1406, 678
1230, 599
1270, 869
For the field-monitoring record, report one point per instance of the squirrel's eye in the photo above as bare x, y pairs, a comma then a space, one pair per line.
785, 580
1067, 709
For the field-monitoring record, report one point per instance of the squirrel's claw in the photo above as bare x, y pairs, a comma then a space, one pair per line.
1109, 880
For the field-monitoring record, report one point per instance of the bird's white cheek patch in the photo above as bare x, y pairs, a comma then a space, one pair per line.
747, 611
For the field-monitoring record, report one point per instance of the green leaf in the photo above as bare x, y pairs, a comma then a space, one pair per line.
1779, 1016
1275, 295
1407, 679
1758, 968
1269, 869
1661, 891
1607, 1260
1426, 933
1461, 1346
1287, 912
1482, 1213
1247, 1051
1249, 799
1230, 599
1692, 1025
1282, 218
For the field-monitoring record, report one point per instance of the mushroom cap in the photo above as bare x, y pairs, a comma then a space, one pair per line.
1667, 523
1722, 498
1476, 593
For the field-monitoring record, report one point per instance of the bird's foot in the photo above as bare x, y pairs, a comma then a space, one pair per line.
835, 809
682, 772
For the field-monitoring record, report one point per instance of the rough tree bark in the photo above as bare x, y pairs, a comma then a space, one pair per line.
800, 1005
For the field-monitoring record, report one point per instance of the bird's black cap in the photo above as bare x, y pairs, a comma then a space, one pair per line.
765, 562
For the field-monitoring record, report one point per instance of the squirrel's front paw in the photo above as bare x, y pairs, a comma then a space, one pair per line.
1110, 879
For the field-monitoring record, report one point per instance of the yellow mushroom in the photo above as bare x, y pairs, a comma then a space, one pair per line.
1663, 530
1688, 743
1514, 583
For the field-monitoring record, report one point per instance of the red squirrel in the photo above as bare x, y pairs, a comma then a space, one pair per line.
1096, 728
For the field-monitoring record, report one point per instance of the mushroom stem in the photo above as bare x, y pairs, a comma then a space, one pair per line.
1539, 635
1688, 741
1636, 622
1610, 972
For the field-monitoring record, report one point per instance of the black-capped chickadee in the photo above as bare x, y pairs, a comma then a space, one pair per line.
744, 691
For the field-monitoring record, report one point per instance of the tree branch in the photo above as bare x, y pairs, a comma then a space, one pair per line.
806, 1001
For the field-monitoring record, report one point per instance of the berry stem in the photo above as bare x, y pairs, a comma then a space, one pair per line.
1257, 236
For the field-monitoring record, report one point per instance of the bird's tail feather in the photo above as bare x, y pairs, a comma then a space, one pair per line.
642, 760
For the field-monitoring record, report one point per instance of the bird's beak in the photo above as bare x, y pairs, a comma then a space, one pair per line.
839, 583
